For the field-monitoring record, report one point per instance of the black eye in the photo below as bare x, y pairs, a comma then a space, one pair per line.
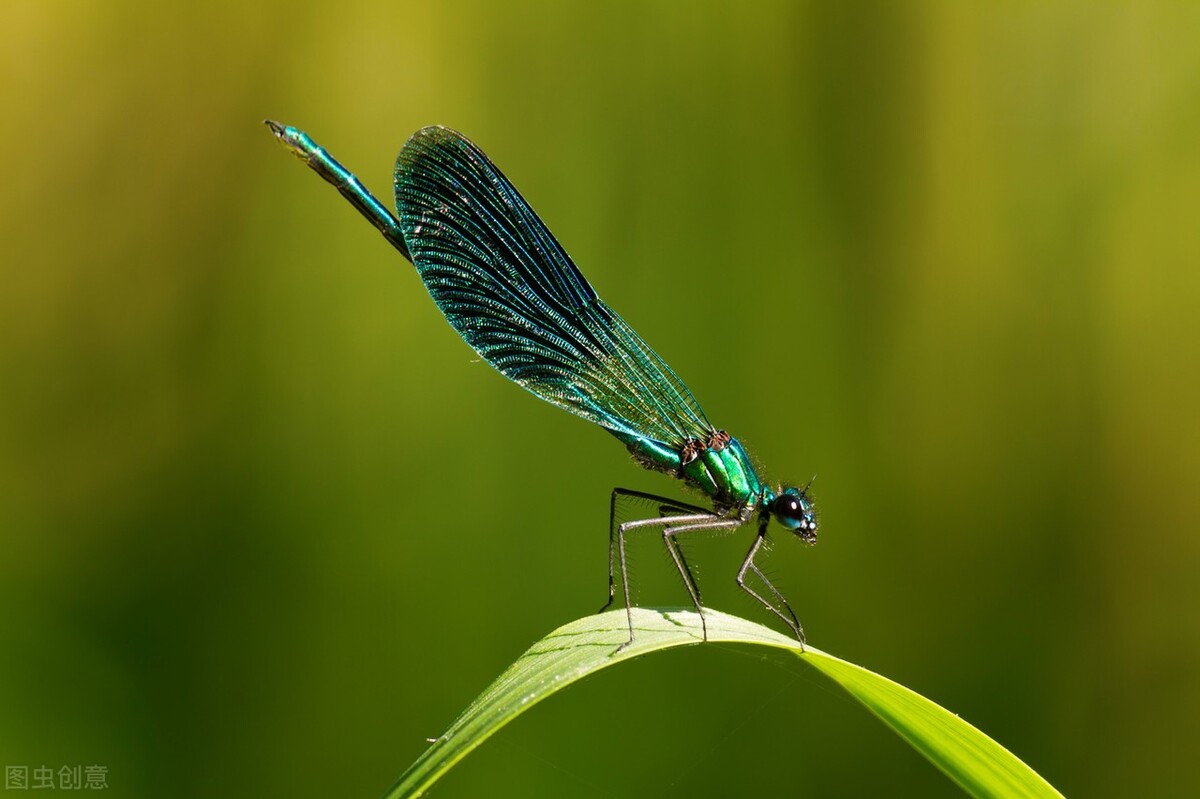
795, 512
788, 507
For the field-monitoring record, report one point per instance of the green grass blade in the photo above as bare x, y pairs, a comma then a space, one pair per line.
977, 763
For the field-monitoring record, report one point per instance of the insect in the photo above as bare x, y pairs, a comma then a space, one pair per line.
514, 295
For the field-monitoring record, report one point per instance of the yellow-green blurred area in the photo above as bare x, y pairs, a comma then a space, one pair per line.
267, 524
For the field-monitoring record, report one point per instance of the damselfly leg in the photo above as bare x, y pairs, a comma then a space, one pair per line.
674, 518
748, 565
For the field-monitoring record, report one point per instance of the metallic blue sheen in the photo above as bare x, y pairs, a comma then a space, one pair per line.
511, 291
514, 295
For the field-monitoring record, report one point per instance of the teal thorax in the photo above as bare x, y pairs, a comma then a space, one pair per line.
718, 467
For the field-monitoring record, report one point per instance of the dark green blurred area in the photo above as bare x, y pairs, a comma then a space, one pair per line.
267, 524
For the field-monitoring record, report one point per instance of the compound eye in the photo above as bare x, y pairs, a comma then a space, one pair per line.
790, 511
795, 512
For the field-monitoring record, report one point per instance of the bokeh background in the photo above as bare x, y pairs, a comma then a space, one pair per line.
267, 524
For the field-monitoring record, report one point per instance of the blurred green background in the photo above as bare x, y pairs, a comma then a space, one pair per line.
267, 524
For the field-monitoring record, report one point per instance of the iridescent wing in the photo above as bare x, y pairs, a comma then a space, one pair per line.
513, 294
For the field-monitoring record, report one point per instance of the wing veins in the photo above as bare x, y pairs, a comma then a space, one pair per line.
504, 282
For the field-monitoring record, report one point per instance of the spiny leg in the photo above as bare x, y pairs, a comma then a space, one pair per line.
681, 563
749, 565
643, 523
666, 508
795, 623
670, 512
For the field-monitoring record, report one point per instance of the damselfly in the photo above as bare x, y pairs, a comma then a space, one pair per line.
514, 295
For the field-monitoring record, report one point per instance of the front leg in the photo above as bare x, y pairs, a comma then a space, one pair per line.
748, 565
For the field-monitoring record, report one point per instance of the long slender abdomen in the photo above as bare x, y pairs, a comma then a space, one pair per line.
342, 179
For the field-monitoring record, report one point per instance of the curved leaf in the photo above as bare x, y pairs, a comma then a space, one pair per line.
977, 763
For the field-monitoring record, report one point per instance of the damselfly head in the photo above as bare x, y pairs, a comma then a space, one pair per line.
795, 511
